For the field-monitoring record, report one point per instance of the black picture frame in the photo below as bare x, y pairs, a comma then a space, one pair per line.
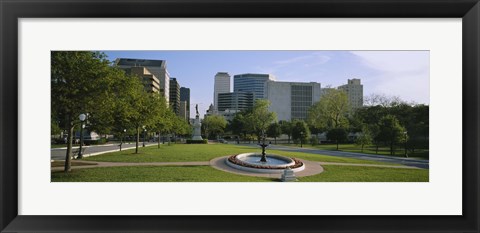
11, 11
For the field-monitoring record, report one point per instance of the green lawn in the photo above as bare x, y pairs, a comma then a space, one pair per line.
334, 173
209, 174
206, 152
153, 174
399, 152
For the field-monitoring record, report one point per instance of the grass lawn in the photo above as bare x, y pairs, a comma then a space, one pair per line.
206, 152
58, 145
334, 173
153, 174
209, 174
399, 152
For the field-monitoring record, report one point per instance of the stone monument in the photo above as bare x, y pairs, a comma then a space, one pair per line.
197, 126
288, 175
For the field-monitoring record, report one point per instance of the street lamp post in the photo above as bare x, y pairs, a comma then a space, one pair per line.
122, 139
405, 133
144, 131
81, 117
301, 139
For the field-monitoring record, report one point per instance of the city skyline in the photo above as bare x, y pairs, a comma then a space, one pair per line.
381, 72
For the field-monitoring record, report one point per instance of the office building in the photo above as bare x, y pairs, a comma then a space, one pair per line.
158, 68
291, 100
251, 83
175, 96
221, 85
354, 90
235, 101
150, 82
185, 96
182, 110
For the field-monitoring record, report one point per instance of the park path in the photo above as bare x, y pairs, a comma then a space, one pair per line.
59, 153
214, 163
122, 164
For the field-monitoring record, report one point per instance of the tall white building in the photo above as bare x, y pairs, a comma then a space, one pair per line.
354, 90
221, 85
156, 67
291, 100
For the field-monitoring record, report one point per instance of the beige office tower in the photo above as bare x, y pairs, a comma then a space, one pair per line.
354, 90
156, 67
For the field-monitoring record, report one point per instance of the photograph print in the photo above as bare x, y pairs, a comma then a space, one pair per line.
240, 116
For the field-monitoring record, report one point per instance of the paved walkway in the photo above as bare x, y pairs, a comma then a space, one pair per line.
367, 165
120, 164
60, 153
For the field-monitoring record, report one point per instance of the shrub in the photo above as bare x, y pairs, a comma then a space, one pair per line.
191, 141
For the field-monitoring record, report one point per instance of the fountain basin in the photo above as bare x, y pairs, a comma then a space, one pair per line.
275, 163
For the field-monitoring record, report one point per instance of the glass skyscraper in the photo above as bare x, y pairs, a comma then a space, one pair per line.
251, 83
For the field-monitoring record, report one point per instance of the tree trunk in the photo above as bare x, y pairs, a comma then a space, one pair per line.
275, 140
289, 139
159, 140
68, 156
137, 140
376, 149
362, 148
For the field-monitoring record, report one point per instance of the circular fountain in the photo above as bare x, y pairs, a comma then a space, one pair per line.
251, 162
255, 162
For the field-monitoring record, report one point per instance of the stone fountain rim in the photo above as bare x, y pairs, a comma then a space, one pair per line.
289, 161
234, 163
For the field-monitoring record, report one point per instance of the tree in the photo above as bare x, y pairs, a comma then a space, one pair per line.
337, 134
274, 130
391, 132
364, 138
162, 121
80, 83
382, 100
300, 131
213, 124
144, 111
286, 127
260, 118
330, 112
238, 124
180, 126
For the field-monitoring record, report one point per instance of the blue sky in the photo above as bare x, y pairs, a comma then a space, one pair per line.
395, 73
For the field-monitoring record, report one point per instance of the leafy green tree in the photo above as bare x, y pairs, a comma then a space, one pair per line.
364, 138
300, 131
143, 111
391, 132
238, 124
274, 130
286, 127
80, 83
214, 124
260, 118
162, 121
181, 126
337, 134
55, 128
331, 111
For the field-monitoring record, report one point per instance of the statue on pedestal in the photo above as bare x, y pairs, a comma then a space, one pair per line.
197, 126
